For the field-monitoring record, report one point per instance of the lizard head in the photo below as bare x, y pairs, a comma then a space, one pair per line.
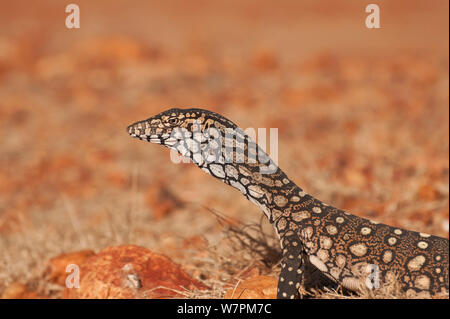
159, 128
174, 127
203, 136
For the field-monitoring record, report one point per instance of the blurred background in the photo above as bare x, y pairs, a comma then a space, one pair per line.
362, 116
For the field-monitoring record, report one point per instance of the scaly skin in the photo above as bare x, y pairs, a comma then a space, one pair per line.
352, 251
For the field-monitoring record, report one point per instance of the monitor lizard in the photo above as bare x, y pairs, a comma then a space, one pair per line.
351, 251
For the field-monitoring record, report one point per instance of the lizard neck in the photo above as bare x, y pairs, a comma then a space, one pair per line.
238, 161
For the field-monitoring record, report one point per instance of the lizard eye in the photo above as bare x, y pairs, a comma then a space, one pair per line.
173, 121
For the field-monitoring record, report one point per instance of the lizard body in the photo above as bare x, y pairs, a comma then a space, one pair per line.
351, 251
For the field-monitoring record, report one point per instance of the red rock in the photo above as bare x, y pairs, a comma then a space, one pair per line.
18, 290
259, 287
56, 270
131, 271
250, 273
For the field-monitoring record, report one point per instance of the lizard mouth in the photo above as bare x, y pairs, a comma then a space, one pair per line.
143, 131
